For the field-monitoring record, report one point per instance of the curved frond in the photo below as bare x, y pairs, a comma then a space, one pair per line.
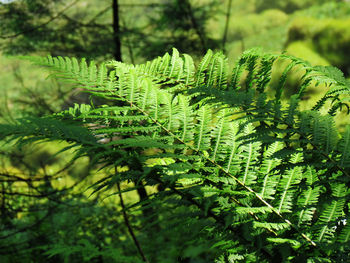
241, 153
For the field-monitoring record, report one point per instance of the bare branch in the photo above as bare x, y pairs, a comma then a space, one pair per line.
43, 24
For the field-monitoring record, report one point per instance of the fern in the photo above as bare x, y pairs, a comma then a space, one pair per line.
264, 171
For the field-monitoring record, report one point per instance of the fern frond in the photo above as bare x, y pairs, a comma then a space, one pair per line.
32, 129
202, 67
202, 130
330, 213
244, 158
289, 179
271, 226
249, 154
344, 235
269, 177
344, 148
73, 71
308, 202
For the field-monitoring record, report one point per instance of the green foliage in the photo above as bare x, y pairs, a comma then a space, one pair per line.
72, 232
248, 29
287, 6
329, 9
302, 50
88, 28
183, 24
58, 27
329, 37
265, 180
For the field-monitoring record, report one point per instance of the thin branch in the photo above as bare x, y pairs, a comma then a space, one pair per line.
128, 44
99, 14
6, 112
15, 178
128, 225
144, 5
88, 24
228, 15
43, 24
31, 195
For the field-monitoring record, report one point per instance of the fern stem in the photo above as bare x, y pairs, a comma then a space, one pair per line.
214, 216
260, 198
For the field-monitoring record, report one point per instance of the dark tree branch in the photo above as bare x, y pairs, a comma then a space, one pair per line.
43, 24
99, 14
81, 24
128, 225
38, 222
144, 5
128, 44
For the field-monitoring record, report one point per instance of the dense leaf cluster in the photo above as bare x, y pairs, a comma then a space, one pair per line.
264, 180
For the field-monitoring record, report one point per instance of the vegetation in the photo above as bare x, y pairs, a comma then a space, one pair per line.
270, 184
182, 158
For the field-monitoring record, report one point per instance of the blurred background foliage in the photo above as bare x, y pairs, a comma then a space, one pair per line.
48, 212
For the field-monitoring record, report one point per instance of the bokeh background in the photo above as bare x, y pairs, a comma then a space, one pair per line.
48, 212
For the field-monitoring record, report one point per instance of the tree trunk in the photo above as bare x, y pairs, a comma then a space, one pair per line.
116, 32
